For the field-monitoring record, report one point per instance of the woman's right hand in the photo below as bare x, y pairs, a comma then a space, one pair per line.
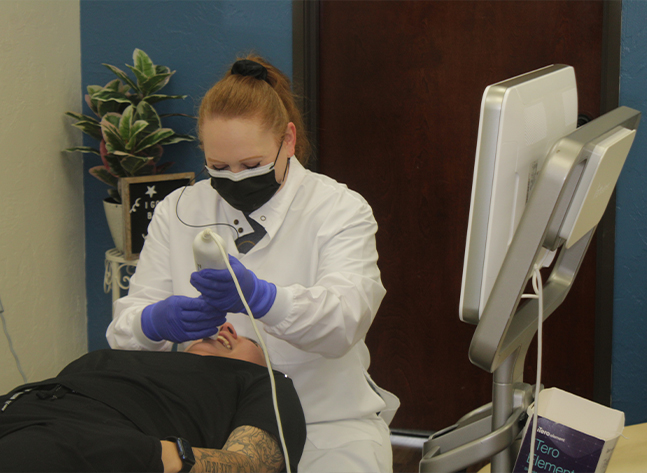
180, 319
219, 289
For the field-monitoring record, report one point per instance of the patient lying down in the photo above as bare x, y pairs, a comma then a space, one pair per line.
112, 410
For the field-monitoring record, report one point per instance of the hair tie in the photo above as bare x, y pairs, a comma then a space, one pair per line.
246, 67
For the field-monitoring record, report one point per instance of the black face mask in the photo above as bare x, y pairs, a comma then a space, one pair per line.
247, 190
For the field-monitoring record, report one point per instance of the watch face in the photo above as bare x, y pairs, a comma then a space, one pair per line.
185, 451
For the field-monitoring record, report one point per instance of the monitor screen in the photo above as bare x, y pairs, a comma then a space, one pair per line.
521, 119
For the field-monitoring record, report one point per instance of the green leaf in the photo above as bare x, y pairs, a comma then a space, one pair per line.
145, 111
125, 154
141, 78
114, 165
117, 86
104, 108
107, 95
155, 83
123, 76
126, 122
143, 63
91, 128
86, 124
150, 78
135, 132
83, 149
114, 194
80, 116
93, 89
132, 163
113, 118
101, 173
124, 89
114, 85
176, 138
155, 153
91, 104
111, 135
153, 139
163, 70
154, 98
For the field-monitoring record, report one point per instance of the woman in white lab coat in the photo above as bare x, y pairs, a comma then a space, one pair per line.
303, 247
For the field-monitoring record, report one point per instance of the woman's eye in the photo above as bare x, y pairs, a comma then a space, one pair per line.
226, 167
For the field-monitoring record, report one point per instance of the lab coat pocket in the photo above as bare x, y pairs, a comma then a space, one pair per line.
391, 400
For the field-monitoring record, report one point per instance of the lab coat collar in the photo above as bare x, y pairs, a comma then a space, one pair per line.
272, 214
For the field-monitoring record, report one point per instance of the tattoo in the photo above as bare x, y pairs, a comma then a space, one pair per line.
248, 449
260, 446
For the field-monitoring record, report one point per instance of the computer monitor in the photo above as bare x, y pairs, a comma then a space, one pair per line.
569, 197
563, 205
521, 119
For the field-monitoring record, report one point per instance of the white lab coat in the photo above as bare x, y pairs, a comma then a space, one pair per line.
320, 253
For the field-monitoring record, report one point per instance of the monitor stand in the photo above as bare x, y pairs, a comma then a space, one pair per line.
506, 328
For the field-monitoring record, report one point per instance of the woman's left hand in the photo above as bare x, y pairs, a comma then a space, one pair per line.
218, 289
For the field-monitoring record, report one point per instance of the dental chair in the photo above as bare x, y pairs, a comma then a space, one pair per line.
566, 203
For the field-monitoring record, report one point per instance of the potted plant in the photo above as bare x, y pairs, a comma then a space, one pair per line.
128, 128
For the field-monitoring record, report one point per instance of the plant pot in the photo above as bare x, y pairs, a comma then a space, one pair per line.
115, 217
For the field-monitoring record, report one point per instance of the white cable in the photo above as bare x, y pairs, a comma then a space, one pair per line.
13, 352
264, 349
539, 295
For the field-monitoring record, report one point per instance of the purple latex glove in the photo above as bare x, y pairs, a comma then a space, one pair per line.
180, 319
218, 289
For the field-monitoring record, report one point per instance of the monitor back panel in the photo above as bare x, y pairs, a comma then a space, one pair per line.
520, 120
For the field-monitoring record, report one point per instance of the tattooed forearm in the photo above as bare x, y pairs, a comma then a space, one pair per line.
261, 447
219, 461
248, 449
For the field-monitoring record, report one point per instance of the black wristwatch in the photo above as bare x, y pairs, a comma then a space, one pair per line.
185, 451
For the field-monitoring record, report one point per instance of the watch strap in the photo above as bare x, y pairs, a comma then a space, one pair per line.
185, 452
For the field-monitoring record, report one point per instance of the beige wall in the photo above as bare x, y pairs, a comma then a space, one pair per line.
42, 249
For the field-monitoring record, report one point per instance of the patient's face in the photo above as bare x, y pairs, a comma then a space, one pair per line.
229, 345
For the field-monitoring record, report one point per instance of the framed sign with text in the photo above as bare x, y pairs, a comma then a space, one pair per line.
139, 197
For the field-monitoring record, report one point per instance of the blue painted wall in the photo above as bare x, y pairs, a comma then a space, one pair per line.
198, 39
629, 390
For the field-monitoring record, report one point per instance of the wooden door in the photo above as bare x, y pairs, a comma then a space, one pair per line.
400, 86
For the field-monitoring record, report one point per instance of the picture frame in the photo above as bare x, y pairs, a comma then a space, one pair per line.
140, 195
